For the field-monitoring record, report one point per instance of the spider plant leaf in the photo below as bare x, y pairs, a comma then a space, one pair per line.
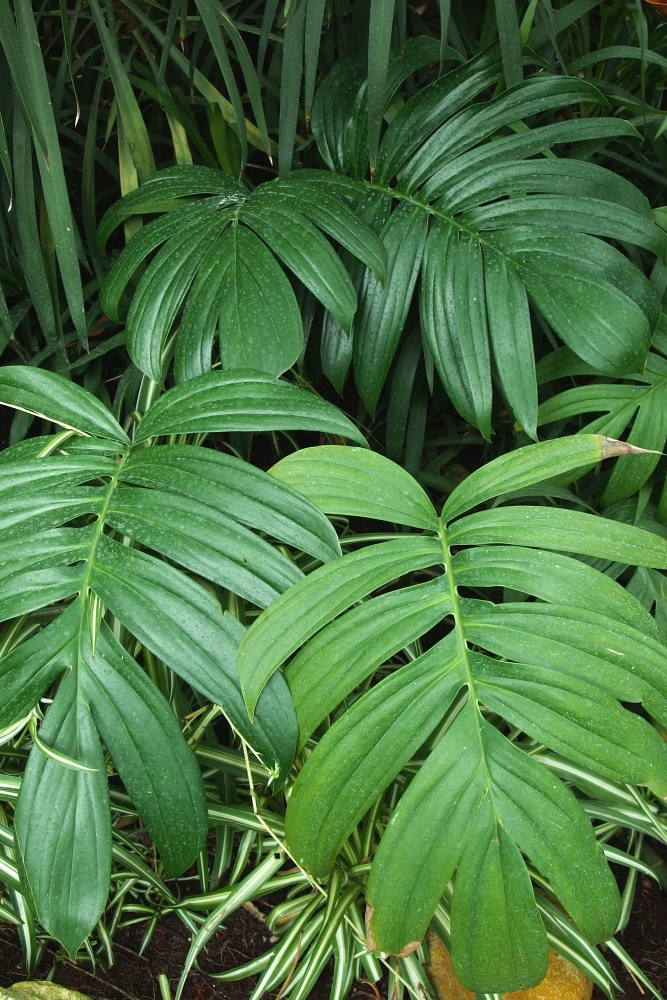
290, 86
209, 15
510, 41
133, 122
52, 174
312, 38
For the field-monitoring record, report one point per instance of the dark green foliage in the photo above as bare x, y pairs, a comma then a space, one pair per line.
449, 220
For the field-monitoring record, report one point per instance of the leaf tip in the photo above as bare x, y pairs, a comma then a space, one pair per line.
610, 448
371, 943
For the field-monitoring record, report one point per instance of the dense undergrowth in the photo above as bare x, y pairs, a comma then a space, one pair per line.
320, 325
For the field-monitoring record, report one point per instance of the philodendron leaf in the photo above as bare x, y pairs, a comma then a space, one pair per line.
62, 823
531, 465
494, 226
37, 391
195, 509
155, 765
560, 670
220, 258
342, 480
243, 401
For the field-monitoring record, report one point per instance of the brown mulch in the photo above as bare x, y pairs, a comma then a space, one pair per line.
645, 940
134, 977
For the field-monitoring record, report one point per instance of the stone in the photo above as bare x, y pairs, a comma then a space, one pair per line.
39, 991
563, 980
441, 973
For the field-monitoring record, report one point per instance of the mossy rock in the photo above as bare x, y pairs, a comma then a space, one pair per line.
39, 991
563, 980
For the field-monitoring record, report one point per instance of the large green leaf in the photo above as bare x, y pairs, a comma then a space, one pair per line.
240, 291
62, 823
204, 512
494, 226
237, 489
340, 110
310, 195
342, 480
260, 324
232, 280
163, 190
561, 670
157, 769
384, 307
162, 290
305, 251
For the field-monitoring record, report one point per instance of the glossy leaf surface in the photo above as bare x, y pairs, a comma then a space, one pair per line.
561, 670
204, 512
493, 227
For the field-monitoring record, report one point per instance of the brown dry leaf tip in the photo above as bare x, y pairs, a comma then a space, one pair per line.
254, 911
370, 940
371, 943
409, 948
610, 447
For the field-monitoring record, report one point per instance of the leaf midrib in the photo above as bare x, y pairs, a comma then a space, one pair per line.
463, 646
101, 521
397, 194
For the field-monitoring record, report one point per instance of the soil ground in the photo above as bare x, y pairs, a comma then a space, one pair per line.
135, 978
645, 940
